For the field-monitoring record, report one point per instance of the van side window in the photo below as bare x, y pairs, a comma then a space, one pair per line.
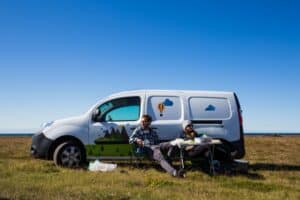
123, 109
164, 107
209, 108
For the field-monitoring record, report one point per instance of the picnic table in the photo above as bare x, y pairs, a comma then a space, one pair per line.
182, 144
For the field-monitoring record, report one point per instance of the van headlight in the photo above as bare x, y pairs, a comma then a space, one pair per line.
47, 124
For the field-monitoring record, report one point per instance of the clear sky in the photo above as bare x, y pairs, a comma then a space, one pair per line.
57, 58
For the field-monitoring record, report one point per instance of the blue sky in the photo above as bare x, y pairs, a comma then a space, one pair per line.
57, 58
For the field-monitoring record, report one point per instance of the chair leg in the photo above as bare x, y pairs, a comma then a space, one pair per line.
181, 159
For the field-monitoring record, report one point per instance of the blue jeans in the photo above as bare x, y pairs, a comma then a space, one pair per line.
154, 153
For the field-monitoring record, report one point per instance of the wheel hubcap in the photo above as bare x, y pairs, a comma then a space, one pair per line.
71, 156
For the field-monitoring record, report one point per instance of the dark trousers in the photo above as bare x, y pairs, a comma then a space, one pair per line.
168, 149
196, 151
154, 152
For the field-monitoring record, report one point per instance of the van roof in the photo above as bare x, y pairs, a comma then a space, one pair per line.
170, 92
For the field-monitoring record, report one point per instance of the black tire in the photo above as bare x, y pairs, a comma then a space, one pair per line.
69, 154
222, 152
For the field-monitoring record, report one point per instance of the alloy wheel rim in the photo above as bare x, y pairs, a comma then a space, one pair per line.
71, 156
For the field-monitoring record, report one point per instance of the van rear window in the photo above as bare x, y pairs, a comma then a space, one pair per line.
209, 108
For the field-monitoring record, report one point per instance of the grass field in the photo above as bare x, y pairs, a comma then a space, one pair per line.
274, 174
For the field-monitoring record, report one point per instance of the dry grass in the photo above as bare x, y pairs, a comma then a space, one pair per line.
274, 174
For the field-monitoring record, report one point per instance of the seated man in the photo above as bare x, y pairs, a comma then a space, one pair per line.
147, 140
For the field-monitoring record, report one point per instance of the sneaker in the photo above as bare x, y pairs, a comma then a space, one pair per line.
181, 173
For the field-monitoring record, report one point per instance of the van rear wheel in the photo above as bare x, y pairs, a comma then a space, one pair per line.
68, 154
222, 152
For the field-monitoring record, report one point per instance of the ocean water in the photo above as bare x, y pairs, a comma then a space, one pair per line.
16, 134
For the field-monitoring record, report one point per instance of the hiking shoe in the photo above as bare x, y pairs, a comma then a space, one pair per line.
181, 173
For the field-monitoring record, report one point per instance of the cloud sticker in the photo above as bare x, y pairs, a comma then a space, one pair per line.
168, 102
210, 108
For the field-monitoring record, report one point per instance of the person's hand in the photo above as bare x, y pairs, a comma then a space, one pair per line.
139, 142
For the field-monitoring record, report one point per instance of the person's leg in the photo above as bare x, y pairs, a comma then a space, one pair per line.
198, 150
167, 149
158, 156
165, 146
149, 152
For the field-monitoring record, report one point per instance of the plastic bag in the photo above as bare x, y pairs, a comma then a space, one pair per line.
100, 166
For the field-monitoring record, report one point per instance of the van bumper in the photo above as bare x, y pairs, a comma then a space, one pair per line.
238, 148
40, 146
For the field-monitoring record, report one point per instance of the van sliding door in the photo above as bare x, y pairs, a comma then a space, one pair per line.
167, 114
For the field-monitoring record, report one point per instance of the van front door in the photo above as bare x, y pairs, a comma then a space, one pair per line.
167, 115
109, 135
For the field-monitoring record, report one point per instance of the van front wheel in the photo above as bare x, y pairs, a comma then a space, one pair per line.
68, 154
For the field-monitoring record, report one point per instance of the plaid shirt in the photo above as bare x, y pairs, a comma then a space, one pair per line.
140, 133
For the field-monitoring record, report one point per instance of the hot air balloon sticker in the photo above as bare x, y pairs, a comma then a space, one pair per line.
161, 108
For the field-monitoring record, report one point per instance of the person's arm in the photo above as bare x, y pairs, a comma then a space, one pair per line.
136, 137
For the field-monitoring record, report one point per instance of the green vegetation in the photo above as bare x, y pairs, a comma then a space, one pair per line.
274, 174
109, 150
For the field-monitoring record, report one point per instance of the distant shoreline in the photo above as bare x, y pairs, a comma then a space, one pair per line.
246, 134
272, 134
16, 134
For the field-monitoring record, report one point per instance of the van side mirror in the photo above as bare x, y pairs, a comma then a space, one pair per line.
95, 115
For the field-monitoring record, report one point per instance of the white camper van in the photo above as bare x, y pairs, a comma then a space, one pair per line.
103, 131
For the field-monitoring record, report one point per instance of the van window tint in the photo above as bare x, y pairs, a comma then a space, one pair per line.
209, 108
164, 107
123, 109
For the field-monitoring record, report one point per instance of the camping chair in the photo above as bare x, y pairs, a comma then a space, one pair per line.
137, 155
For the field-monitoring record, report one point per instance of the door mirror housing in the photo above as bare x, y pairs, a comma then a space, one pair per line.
95, 115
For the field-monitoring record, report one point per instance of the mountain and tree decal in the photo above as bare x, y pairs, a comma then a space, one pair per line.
114, 135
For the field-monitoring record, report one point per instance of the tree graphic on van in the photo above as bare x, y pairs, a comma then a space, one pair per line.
114, 136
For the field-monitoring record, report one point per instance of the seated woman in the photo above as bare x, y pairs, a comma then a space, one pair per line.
191, 151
